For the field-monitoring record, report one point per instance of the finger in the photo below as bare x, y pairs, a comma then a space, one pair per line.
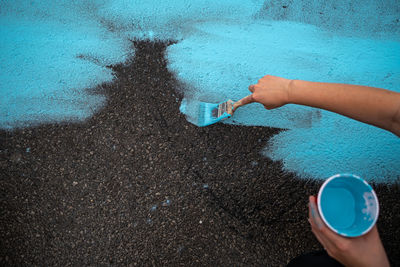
328, 234
251, 88
244, 101
321, 239
317, 225
319, 234
313, 213
329, 245
324, 235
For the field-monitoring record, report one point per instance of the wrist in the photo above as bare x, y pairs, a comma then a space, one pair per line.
290, 90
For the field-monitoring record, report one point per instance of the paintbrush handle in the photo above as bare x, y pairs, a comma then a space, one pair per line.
244, 101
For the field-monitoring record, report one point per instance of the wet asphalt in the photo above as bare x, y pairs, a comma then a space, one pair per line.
136, 184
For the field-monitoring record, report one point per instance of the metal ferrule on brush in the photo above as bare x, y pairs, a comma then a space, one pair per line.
225, 107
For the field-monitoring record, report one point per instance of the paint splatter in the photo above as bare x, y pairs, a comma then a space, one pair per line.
153, 208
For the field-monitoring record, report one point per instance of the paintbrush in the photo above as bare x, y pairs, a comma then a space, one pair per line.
210, 113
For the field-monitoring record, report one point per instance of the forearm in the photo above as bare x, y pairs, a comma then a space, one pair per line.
371, 105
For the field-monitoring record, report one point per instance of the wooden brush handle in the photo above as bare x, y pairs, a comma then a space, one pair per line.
244, 101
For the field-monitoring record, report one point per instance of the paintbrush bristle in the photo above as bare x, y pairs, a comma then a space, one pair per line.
222, 108
210, 113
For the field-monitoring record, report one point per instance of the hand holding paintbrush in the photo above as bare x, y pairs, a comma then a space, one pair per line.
270, 91
379, 107
375, 106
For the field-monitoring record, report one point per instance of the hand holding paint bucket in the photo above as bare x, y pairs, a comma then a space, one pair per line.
344, 222
348, 205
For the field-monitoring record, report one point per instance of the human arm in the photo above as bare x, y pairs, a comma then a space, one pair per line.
363, 251
371, 105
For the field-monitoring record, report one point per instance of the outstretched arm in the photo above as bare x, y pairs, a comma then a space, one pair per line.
371, 105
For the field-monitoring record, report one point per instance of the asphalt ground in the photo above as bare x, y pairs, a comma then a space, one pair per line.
137, 184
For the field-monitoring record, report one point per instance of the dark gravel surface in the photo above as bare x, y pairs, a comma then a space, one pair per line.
138, 185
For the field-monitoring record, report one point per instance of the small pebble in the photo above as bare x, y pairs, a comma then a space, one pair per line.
166, 203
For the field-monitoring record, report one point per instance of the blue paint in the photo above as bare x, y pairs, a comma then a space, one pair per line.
288, 49
338, 206
52, 52
342, 145
370, 18
229, 56
348, 205
171, 19
202, 113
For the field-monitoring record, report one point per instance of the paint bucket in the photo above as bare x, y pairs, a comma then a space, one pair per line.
348, 205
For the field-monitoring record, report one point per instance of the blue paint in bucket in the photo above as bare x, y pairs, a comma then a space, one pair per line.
348, 205
339, 207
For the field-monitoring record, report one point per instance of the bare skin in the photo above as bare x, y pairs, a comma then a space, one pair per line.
363, 251
371, 105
